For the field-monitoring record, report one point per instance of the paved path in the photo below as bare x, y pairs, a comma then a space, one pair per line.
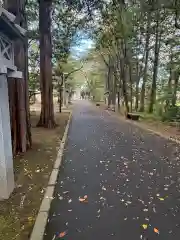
130, 177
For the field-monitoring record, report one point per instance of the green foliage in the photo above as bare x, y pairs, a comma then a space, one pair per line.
94, 70
172, 113
66, 72
66, 22
119, 30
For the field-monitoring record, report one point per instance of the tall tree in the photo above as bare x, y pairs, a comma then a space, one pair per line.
148, 34
47, 109
156, 62
18, 89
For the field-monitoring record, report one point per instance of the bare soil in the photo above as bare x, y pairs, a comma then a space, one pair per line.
32, 171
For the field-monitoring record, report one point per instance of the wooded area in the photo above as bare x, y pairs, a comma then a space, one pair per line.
135, 57
52, 26
137, 44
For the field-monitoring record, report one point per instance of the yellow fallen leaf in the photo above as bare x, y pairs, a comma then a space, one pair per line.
30, 219
145, 226
161, 199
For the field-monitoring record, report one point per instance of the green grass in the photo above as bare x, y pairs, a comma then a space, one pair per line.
149, 117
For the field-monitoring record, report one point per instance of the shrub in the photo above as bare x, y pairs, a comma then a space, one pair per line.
172, 113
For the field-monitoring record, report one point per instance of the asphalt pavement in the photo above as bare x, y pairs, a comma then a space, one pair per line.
117, 181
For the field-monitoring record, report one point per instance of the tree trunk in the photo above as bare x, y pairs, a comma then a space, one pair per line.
18, 88
175, 83
169, 81
118, 95
124, 75
124, 88
47, 109
137, 95
108, 85
155, 71
60, 99
131, 87
138, 76
114, 90
142, 97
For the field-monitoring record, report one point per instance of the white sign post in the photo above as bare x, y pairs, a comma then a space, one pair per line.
9, 31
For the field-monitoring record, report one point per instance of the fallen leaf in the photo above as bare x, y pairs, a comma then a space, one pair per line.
62, 234
161, 199
84, 199
156, 230
30, 219
65, 192
145, 226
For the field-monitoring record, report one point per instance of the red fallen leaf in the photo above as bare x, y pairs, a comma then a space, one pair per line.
62, 234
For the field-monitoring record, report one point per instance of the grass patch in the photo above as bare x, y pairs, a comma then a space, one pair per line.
149, 117
32, 171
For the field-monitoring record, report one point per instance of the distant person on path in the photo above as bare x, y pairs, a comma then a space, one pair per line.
82, 95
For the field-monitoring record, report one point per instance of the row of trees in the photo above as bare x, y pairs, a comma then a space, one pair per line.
52, 28
138, 41
94, 75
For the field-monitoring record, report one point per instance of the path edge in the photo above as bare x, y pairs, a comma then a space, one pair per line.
167, 137
42, 217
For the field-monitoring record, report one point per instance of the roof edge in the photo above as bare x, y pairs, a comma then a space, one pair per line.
9, 15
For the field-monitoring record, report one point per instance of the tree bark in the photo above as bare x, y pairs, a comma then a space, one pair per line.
124, 77
124, 74
114, 94
175, 83
155, 71
60, 96
137, 94
169, 82
108, 85
118, 95
142, 97
18, 88
60, 99
114, 83
131, 86
47, 109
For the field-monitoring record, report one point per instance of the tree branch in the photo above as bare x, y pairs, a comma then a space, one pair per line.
32, 93
73, 71
104, 59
